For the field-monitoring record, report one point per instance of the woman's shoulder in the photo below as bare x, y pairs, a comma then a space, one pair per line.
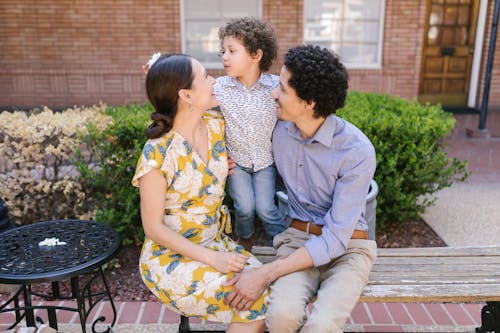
159, 146
213, 114
214, 120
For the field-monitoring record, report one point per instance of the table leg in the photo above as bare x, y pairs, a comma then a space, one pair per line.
30, 316
80, 301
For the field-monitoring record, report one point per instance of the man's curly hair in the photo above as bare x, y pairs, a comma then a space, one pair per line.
316, 74
255, 34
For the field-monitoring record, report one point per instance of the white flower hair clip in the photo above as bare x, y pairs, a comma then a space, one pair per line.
150, 62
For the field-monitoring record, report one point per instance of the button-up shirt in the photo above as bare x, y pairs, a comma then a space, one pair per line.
250, 116
327, 178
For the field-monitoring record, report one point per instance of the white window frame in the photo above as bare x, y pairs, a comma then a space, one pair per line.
353, 65
207, 65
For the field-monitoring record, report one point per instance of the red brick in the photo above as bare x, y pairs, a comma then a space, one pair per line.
418, 314
173, 317
359, 315
439, 314
129, 312
151, 313
474, 311
379, 313
459, 314
399, 314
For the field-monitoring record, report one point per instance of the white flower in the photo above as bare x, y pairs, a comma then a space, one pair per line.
214, 281
173, 222
153, 59
191, 306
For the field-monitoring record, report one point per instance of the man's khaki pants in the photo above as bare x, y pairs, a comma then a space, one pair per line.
337, 286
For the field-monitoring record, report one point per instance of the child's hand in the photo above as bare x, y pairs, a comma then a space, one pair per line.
230, 165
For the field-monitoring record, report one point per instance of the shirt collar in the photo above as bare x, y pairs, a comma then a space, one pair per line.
264, 79
323, 135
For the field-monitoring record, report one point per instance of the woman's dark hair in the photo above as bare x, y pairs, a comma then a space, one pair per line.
316, 74
169, 74
254, 34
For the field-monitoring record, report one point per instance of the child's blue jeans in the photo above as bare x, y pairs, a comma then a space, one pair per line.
255, 192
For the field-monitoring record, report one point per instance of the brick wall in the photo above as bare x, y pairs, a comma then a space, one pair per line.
64, 52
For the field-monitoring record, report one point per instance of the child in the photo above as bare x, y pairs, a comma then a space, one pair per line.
248, 48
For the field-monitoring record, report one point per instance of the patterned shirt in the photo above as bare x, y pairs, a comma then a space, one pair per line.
250, 116
327, 178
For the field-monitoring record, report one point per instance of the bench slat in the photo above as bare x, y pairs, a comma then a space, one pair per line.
431, 293
441, 260
443, 274
465, 251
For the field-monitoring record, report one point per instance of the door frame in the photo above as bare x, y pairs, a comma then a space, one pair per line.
475, 61
472, 101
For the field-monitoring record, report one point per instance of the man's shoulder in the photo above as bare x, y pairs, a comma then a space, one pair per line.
282, 125
350, 135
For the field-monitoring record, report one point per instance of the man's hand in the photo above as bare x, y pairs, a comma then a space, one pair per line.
248, 287
230, 165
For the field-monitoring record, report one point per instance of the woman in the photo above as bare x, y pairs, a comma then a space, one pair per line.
186, 258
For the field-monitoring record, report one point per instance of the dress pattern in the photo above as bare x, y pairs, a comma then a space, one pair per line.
194, 209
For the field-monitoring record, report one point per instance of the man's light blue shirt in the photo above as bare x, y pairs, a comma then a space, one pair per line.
327, 178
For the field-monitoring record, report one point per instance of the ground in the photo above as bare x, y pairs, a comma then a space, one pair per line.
126, 283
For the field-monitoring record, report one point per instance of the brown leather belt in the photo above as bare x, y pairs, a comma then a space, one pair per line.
314, 229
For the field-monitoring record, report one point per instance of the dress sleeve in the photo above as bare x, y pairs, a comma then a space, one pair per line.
154, 156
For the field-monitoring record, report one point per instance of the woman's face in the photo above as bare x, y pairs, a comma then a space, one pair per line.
201, 92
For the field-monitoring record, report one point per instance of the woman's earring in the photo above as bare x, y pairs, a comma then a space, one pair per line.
191, 108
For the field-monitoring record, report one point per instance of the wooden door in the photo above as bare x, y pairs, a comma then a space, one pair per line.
447, 52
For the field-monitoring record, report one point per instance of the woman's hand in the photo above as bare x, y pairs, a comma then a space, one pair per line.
226, 262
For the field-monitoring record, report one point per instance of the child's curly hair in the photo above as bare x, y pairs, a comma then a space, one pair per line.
255, 34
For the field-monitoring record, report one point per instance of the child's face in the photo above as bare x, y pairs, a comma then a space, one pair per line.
236, 59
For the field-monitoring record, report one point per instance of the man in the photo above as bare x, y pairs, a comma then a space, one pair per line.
326, 164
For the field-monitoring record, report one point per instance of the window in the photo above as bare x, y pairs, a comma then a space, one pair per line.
351, 28
201, 20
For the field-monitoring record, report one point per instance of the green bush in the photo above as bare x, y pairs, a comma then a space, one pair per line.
411, 163
107, 167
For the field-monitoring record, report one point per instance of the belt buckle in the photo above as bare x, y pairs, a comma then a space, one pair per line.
308, 226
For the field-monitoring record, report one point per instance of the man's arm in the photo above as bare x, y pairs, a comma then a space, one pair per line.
249, 286
348, 203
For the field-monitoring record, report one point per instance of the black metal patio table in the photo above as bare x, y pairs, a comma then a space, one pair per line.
74, 248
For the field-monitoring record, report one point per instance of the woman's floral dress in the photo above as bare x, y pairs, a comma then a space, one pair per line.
193, 208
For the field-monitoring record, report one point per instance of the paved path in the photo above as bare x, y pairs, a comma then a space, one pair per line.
366, 317
464, 200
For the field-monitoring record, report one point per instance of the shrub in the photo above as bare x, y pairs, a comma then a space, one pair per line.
107, 169
37, 180
411, 163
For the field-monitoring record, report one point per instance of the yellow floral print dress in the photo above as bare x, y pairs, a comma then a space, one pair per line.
194, 209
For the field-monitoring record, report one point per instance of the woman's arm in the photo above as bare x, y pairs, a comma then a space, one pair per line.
152, 190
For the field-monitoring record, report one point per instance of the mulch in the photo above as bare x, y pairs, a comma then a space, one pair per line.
126, 284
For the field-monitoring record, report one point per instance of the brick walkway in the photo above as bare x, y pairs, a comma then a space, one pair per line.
483, 155
366, 317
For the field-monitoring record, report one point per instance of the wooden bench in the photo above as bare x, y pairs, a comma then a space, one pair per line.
430, 275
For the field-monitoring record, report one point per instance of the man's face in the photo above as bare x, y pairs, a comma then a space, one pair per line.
290, 107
